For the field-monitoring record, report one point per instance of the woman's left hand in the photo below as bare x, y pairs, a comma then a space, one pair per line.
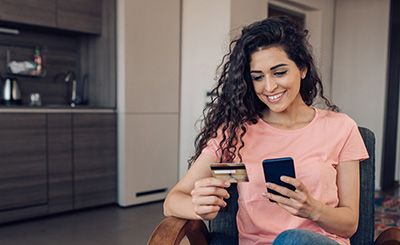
299, 202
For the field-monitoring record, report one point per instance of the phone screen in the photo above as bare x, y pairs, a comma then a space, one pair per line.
275, 168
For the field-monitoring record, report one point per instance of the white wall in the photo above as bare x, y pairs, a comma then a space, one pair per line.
204, 30
148, 57
360, 64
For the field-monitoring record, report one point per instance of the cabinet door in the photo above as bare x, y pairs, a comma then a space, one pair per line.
33, 12
94, 140
59, 150
23, 178
80, 15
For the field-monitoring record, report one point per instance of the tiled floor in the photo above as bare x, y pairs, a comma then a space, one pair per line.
108, 225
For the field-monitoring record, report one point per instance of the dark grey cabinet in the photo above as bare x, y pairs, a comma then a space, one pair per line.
32, 12
23, 167
60, 168
94, 159
80, 15
55, 162
74, 15
82, 160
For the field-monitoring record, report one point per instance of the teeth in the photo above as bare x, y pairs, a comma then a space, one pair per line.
275, 96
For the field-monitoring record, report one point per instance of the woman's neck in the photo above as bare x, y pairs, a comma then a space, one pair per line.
290, 119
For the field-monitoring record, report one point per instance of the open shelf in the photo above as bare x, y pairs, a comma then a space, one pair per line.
22, 74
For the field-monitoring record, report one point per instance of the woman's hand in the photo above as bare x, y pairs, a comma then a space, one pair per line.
208, 197
342, 219
299, 202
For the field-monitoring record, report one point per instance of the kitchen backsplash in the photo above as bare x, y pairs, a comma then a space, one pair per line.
60, 53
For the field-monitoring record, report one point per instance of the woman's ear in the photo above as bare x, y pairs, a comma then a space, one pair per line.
303, 72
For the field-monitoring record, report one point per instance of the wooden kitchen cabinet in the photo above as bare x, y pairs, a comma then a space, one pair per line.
55, 162
32, 12
94, 137
23, 169
60, 167
82, 160
80, 15
74, 15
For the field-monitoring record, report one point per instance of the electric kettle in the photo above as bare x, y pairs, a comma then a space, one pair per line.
11, 94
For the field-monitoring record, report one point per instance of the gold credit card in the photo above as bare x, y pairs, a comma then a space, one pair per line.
231, 172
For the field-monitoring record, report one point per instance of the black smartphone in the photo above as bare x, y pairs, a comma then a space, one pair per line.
275, 168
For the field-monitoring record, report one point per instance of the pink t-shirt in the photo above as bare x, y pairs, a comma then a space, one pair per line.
316, 149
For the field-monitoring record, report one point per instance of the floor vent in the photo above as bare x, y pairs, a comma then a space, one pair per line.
146, 193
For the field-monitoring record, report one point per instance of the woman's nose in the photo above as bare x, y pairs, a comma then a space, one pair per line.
270, 85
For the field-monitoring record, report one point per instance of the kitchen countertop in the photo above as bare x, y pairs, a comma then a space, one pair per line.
54, 109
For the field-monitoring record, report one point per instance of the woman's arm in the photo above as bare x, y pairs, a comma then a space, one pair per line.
342, 220
197, 195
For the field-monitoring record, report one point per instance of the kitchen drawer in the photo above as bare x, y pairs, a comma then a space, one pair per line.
23, 176
59, 150
94, 137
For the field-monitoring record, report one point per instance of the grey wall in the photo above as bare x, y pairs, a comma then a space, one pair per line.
360, 64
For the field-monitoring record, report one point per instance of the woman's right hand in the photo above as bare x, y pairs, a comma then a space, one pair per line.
208, 197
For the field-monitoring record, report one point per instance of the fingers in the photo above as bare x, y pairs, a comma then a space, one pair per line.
211, 187
283, 190
294, 182
277, 198
299, 202
208, 196
203, 200
300, 189
212, 182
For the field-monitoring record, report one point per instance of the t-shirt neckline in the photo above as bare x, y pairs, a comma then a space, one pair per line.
289, 131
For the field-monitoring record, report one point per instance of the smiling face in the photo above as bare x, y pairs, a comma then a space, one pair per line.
276, 79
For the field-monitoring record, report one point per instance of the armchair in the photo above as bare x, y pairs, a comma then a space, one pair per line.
223, 230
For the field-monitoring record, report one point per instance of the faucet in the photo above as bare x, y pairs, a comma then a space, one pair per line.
70, 77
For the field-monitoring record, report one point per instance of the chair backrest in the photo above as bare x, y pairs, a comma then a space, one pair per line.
223, 229
365, 231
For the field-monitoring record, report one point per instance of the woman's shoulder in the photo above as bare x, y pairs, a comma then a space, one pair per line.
336, 118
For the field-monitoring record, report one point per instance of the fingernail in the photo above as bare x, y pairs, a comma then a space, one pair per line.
227, 184
268, 185
283, 178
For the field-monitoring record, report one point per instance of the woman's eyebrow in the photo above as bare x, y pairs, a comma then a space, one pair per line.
274, 67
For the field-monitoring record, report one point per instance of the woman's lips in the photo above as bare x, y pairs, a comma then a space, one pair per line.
275, 98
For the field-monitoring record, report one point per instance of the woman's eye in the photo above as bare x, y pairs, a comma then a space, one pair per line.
257, 78
280, 73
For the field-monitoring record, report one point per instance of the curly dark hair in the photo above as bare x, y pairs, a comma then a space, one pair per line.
234, 101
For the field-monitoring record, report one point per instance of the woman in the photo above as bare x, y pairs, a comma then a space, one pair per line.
261, 109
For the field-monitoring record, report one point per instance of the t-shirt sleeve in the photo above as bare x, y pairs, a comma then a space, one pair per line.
354, 147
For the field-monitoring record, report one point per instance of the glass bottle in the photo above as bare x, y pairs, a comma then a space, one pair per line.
37, 59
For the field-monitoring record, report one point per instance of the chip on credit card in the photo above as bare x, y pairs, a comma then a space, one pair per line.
231, 172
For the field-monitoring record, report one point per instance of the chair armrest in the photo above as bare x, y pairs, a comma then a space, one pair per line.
172, 230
